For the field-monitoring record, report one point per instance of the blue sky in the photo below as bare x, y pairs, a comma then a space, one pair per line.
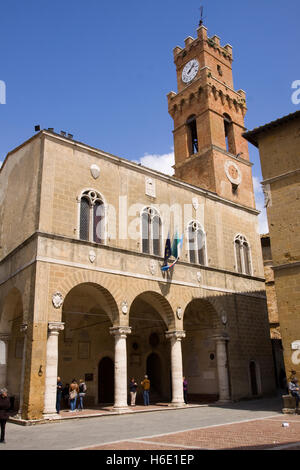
102, 70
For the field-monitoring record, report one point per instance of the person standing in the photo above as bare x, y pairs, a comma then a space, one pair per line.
59, 389
82, 392
65, 395
4, 414
295, 390
132, 389
146, 390
185, 388
73, 393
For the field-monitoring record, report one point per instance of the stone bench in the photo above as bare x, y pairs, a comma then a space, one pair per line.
289, 404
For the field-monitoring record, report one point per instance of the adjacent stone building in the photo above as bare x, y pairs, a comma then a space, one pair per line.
82, 241
279, 144
275, 334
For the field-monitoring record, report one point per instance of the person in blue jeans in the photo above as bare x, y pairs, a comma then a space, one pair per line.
146, 390
73, 393
294, 390
82, 392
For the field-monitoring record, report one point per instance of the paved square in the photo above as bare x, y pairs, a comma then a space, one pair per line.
260, 434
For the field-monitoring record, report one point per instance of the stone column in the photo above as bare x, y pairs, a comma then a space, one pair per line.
23, 329
176, 366
222, 366
51, 370
120, 333
5, 337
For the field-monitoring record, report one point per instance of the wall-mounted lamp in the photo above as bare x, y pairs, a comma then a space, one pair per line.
40, 372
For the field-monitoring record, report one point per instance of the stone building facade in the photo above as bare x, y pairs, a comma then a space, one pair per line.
82, 240
275, 333
278, 144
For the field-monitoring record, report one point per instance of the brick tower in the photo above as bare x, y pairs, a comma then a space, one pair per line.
208, 114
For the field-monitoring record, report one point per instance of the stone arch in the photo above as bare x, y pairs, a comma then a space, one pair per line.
202, 325
150, 317
104, 284
110, 306
203, 311
159, 303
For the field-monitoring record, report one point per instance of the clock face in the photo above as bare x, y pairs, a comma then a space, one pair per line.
190, 71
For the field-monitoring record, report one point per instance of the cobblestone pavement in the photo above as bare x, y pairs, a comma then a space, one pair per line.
253, 424
281, 433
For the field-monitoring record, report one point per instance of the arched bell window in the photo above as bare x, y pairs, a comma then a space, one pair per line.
196, 244
193, 145
92, 217
229, 134
151, 231
242, 255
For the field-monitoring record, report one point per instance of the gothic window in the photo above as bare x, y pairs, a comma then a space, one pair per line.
229, 135
151, 231
192, 135
242, 255
92, 217
196, 244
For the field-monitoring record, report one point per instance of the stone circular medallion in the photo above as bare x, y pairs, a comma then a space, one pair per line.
233, 172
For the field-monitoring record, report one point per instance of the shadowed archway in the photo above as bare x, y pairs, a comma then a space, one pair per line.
200, 323
88, 312
148, 349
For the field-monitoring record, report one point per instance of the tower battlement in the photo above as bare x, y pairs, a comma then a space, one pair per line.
214, 43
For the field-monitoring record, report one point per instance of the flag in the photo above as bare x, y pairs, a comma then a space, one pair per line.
172, 251
168, 250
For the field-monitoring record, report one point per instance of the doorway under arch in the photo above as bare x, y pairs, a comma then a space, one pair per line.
154, 372
106, 376
253, 370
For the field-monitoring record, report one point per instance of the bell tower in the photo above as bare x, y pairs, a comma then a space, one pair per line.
208, 115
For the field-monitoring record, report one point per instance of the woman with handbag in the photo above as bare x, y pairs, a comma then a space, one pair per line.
73, 393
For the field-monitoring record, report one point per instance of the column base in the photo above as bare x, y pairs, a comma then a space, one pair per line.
122, 409
51, 415
224, 401
177, 404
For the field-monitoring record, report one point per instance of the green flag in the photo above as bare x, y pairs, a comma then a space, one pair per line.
174, 250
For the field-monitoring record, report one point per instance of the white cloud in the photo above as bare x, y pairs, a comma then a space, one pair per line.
260, 205
162, 163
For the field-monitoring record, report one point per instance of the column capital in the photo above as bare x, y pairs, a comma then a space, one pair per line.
121, 331
54, 327
175, 334
220, 337
5, 337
